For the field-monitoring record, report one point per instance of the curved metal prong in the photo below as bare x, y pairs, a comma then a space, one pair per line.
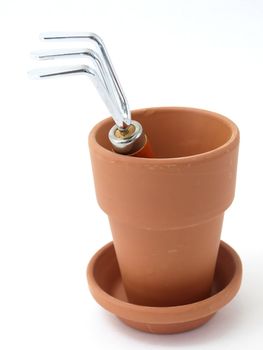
66, 53
57, 71
111, 75
74, 53
73, 70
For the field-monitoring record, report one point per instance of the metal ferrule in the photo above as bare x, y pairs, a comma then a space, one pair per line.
129, 140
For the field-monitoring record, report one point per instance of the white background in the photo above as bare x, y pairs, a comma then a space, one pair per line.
206, 54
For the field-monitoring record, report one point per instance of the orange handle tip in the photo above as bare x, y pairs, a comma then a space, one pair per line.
145, 151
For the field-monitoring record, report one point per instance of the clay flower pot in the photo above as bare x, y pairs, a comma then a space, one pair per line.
166, 213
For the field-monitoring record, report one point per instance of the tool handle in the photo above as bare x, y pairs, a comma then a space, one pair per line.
145, 151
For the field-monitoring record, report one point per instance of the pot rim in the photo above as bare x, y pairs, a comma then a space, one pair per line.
226, 147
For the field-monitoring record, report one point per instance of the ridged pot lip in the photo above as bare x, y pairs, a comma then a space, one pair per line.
231, 143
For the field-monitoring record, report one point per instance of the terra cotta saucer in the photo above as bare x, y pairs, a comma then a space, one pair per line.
106, 286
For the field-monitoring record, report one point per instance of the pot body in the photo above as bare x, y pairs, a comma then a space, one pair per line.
166, 212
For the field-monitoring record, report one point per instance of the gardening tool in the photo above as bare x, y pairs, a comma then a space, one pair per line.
127, 135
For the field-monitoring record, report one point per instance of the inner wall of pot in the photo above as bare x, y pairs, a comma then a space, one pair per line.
175, 133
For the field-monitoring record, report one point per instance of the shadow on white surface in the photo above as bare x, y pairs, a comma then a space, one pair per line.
224, 324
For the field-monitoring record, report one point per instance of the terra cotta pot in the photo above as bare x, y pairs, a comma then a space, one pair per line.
166, 212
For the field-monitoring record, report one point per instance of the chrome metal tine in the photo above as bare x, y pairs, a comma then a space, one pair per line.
74, 70
57, 71
74, 53
111, 76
